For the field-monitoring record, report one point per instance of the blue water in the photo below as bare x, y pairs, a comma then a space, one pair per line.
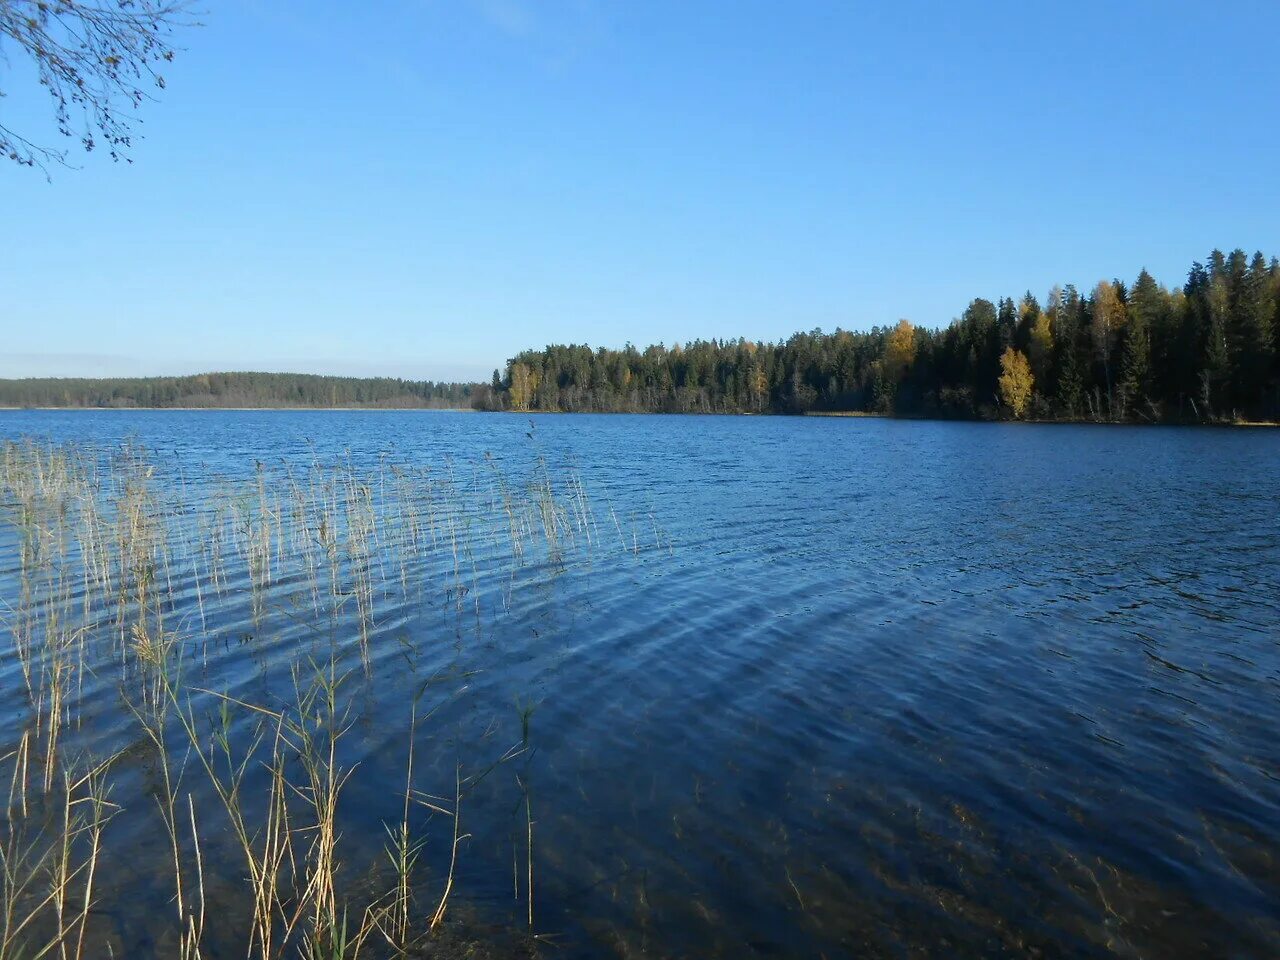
842, 687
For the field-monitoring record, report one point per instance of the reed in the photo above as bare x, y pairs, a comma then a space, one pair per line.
49, 867
125, 578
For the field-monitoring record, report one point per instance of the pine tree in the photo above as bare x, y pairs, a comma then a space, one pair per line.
1070, 384
1249, 329
1215, 369
1135, 373
1145, 308
1029, 314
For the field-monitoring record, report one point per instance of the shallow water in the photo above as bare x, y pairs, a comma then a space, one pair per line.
815, 687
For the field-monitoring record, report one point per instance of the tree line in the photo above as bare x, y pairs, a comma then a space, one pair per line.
1205, 351
241, 390
1140, 352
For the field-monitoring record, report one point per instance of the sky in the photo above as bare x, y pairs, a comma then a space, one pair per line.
422, 188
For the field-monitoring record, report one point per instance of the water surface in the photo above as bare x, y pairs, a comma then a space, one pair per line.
828, 687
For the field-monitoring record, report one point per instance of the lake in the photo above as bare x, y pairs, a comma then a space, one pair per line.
759, 687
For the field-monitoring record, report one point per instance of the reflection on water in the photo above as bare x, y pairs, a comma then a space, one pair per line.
789, 687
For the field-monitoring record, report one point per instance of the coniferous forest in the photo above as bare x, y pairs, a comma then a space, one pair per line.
1139, 352
239, 390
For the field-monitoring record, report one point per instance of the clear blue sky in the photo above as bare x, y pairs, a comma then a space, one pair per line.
423, 188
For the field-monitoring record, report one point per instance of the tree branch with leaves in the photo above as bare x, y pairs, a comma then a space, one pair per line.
98, 60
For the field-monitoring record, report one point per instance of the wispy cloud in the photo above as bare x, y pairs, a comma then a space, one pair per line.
509, 16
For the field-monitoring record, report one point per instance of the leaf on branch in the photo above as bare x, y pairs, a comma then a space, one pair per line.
83, 52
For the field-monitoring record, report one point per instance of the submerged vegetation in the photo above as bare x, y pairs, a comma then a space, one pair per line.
120, 585
1121, 352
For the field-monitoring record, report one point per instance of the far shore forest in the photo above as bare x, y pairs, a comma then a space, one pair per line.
1140, 352
229, 390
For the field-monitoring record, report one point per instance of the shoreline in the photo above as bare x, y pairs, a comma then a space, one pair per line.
243, 409
833, 414
915, 418
858, 414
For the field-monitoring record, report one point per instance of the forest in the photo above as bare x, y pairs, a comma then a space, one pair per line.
1140, 352
1202, 352
241, 390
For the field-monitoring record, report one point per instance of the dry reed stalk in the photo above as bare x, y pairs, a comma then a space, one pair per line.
107, 554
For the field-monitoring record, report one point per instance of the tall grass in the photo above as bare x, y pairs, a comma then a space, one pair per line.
117, 575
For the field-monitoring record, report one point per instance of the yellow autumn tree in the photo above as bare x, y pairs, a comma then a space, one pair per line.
524, 382
1108, 321
1016, 381
900, 349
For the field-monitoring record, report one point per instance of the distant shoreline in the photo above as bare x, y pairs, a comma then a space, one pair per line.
835, 414
248, 409
1095, 423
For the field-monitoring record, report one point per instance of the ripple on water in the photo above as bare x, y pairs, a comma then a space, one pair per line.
820, 687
